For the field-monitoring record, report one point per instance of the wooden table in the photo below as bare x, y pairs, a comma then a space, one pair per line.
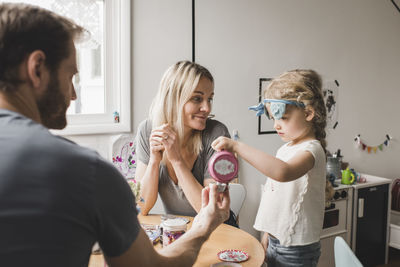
224, 237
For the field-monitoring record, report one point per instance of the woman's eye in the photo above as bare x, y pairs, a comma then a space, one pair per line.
197, 99
210, 100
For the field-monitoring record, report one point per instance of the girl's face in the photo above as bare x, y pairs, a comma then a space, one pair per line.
295, 125
197, 109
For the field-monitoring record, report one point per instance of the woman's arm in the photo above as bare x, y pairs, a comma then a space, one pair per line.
190, 186
269, 165
148, 177
148, 174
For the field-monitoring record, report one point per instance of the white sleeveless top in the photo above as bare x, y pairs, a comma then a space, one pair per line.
293, 211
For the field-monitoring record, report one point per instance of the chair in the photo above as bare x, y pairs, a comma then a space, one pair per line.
237, 194
344, 256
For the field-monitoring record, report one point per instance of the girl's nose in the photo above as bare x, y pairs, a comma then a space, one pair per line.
276, 124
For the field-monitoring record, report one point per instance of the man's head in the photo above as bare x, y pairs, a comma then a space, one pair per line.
43, 41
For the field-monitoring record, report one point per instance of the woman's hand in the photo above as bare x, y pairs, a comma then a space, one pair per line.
225, 143
168, 140
156, 146
172, 145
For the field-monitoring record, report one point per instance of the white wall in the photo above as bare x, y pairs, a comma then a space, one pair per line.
354, 41
161, 35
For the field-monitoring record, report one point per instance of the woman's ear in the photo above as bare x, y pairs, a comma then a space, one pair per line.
310, 113
36, 69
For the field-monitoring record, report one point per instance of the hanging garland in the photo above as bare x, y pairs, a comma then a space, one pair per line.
370, 149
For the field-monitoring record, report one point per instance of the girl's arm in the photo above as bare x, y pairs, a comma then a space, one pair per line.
268, 165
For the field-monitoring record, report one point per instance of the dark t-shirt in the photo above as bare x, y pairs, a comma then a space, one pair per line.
57, 199
172, 195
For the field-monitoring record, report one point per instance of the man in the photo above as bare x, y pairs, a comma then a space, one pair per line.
57, 199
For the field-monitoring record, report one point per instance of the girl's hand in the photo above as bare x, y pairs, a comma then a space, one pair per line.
225, 143
170, 143
264, 243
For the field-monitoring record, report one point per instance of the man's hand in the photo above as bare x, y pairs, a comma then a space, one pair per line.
214, 210
184, 251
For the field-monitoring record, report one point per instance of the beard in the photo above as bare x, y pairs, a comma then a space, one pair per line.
52, 106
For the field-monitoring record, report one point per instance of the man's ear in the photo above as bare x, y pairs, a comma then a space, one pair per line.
36, 68
310, 113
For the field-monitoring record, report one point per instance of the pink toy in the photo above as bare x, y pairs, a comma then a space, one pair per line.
223, 167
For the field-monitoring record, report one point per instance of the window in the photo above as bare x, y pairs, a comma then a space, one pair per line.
103, 82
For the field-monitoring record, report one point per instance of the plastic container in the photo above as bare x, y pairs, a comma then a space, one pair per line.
172, 230
223, 167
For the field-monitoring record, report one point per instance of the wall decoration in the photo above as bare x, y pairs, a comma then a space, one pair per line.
124, 155
370, 149
330, 92
265, 126
116, 117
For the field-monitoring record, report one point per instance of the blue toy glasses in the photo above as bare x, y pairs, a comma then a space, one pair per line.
277, 106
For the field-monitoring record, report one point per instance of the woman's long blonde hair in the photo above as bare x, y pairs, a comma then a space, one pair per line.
176, 87
303, 86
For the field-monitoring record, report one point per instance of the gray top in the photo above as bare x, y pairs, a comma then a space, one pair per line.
57, 199
172, 196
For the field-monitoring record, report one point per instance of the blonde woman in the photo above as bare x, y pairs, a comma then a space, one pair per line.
174, 143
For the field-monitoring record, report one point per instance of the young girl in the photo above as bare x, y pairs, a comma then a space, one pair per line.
292, 205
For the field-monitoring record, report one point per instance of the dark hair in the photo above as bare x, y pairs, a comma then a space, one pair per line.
26, 28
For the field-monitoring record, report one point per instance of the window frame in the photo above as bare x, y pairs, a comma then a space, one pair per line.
117, 71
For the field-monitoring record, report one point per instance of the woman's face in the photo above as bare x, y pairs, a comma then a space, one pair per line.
197, 109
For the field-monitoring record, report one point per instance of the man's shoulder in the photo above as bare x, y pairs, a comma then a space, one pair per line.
28, 135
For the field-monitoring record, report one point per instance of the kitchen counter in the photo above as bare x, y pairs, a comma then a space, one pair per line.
371, 181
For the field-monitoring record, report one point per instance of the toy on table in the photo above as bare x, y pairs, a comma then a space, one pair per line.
172, 230
233, 255
153, 232
223, 167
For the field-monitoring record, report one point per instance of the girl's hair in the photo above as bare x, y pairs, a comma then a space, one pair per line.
176, 87
303, 86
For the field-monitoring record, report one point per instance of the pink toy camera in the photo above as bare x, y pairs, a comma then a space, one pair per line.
223, 167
